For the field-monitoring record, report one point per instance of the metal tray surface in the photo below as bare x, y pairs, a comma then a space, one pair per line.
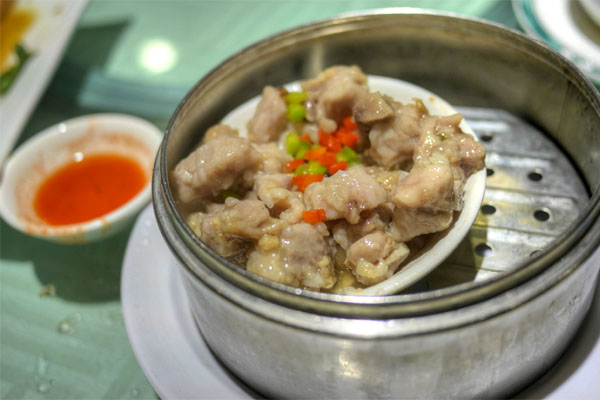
533, 192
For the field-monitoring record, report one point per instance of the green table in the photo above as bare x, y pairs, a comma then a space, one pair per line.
71, 342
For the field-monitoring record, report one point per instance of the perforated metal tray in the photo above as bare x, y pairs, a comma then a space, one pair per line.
533, 193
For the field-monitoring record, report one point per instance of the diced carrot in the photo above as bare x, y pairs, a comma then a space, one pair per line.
349, 123
330, 142
334, 145
335, 167
305, 138
341, 132
292, 165
327, 159
302, 181
323, 137
349, 139
314, 216
314, 154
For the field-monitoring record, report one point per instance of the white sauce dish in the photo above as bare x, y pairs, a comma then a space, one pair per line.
116, 152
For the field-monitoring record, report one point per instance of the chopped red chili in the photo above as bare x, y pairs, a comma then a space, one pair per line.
314, 216
305, 138
333, 168
302, 181
292, 165
327, 159
314, 154
349, 123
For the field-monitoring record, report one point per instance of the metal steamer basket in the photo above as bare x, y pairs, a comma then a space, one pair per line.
502, 308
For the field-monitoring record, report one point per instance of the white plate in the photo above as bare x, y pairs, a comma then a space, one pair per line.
404, 92
46, 40
179, 365
564, 26
160, 326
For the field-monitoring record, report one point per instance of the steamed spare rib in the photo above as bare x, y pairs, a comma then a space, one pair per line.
333, 94
270, 119
333, 181
224, 162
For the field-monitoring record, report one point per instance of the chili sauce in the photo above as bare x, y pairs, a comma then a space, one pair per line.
88, 188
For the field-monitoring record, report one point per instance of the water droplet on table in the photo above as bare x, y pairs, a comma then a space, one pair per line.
43, 384
113, 318
67, 325
42, 365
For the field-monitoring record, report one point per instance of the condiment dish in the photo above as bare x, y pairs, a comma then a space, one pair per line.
54, 150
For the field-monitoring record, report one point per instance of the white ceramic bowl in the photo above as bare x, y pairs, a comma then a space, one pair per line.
58, 145
474, 188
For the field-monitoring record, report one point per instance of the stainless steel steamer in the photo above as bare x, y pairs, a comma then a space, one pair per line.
501, 309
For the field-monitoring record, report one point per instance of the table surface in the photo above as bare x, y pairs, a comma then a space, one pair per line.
73, 344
